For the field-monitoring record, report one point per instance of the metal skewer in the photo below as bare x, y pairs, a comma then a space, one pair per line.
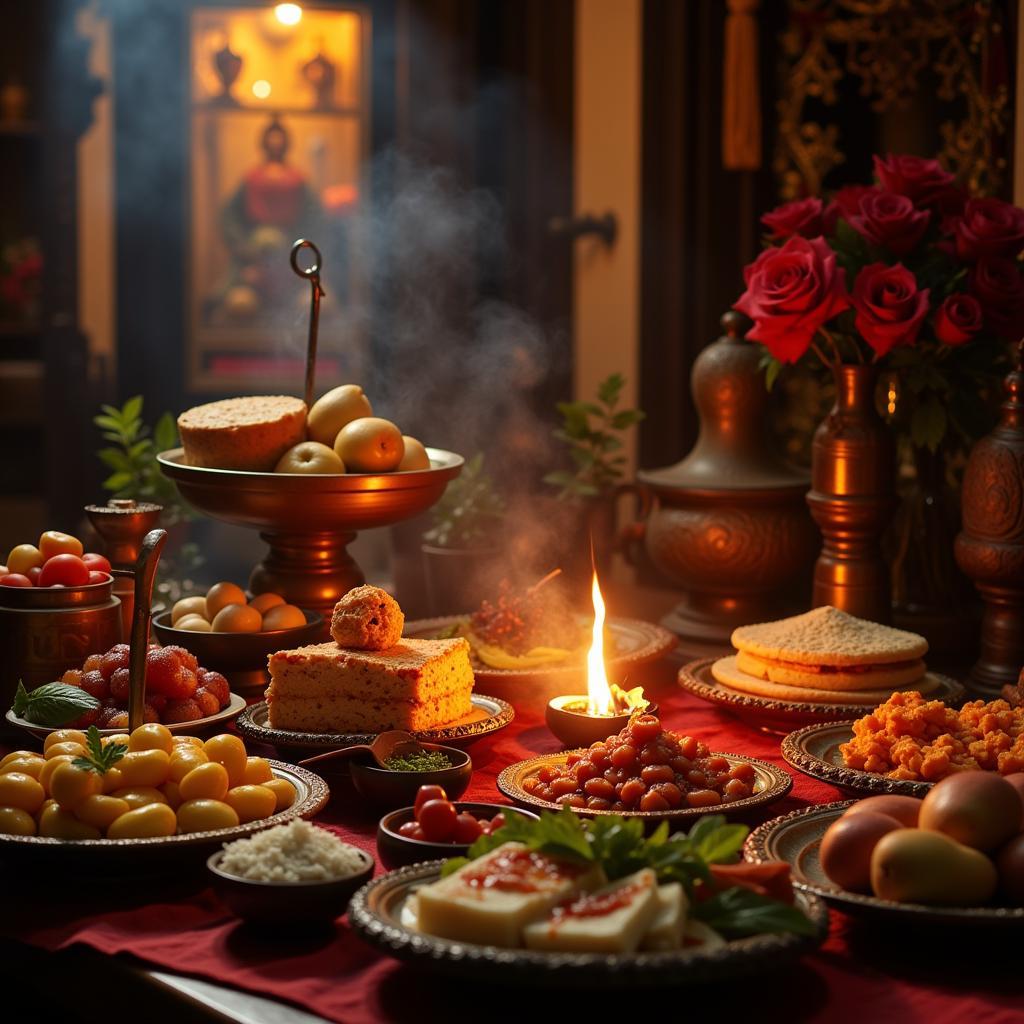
145, 575
312, 274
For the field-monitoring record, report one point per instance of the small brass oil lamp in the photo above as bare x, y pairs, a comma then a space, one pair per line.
581, 719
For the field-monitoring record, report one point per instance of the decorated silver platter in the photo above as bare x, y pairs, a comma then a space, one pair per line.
311, 796
771, 784
375, 914
796, 839
814, 750
489, 715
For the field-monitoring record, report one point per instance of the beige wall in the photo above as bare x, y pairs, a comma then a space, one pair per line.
96, 200
607, 177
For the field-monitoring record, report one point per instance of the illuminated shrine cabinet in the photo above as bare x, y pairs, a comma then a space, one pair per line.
278, 135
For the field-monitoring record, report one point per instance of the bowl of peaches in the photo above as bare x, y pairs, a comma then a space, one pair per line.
233, 633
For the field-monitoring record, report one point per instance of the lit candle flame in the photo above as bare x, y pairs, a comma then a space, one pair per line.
599, 694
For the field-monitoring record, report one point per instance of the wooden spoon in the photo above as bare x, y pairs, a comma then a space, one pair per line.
394, 742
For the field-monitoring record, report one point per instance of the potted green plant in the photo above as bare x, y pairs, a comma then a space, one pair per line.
464, 542
593, 434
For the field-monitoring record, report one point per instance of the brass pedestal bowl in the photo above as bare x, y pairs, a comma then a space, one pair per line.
309, 520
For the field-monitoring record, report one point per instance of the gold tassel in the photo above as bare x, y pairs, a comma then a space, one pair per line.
741, 100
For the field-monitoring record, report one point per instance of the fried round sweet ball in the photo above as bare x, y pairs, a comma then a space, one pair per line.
367, 618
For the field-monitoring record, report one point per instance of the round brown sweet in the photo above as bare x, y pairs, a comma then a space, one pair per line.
242, 433
367, 618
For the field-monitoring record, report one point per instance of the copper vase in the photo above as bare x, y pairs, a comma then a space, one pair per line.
990, 548
852, 499
728, 524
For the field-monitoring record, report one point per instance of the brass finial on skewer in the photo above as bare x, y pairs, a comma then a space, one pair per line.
311, 274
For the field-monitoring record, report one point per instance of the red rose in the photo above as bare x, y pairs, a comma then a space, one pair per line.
890, 308
845, 203
923, 181
997, 284
959, 318
989, 227
890, 221
791, 291
800, 217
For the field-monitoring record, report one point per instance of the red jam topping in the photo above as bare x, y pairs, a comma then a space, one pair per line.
520, 871
600, 904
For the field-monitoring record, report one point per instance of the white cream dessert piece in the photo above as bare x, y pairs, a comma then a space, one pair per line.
611, 920
492, 899
698, 935
669, 924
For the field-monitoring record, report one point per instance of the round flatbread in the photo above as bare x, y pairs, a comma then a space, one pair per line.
725, 672
828, 636
835, 678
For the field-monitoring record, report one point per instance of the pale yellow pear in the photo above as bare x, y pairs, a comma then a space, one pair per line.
332, 411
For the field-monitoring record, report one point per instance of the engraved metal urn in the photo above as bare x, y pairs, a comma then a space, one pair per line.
729, 523
990, 547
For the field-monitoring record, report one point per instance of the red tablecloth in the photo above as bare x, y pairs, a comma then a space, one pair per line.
861, 974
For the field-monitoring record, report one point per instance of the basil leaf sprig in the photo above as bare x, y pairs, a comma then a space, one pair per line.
620, 847
99, 758
52, 704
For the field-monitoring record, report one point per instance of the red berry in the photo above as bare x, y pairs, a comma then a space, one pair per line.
410, 830
208, 703
94, 683
437, 818
428, 793
118, 720
65, 570
97, 577
33, 575
96, 563
165, 674
84, 720
15, 579
115, 658
120, 685
181, 711
150, 713
187, 658
216, 684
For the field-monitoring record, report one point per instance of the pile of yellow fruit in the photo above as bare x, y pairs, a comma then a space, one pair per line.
225, 609
143, 785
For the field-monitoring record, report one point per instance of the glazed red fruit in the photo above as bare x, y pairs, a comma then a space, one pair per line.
181, 711
187, 658
96, 563
437, 818
167, 675
208, 703
115, 658
97, 577
120, 684
67, 570
411, 830
15, 579
94, 683
216, 684
428, 793
33, 575
84, 720
467, 828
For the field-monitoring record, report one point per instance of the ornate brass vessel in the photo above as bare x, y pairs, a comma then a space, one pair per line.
729, 523
990, 548
309, 521
852, 498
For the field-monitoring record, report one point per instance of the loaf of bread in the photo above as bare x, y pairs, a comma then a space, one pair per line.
242, 433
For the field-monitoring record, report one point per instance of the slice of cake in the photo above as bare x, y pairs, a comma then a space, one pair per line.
242, 433
417, 684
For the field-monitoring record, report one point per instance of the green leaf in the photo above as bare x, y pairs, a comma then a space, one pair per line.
626, 418
118, 482
20, 700
771, 373
99, 758
737, 912
165, 433
610, 388
132, 409
53, 704
721, 845
108, 423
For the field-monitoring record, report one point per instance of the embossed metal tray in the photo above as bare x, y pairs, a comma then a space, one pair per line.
632, 643
770, 784
231, 710
814, 751
783, 715
375, 914
311, 795
796, 839
489, 715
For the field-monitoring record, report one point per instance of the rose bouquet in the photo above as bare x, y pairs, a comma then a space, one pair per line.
910, 273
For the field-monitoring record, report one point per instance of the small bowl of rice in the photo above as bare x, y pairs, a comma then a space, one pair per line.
294, 874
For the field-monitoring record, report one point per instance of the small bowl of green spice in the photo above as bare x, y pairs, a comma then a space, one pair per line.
398, 784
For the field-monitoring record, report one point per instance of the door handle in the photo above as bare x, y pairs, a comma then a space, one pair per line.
605, 227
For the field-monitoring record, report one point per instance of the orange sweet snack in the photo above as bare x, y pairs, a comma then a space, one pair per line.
909, 737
